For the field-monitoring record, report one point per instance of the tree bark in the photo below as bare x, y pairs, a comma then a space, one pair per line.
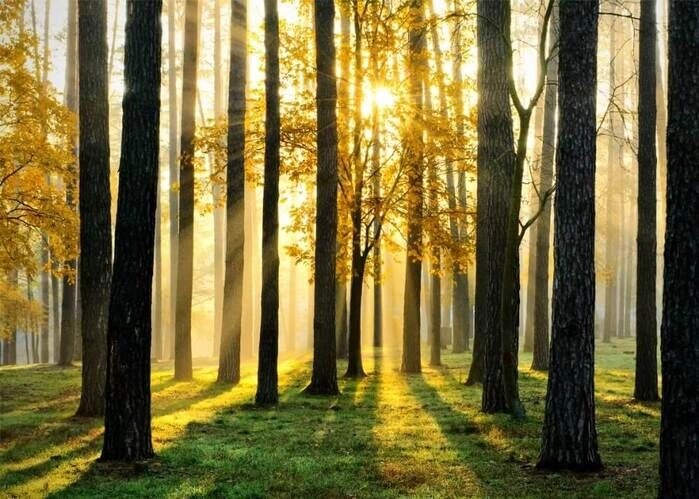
611, 241
173, 154
185, 239
540, 350
231, 327
646, 381
413, 260
496, 162
68, 305
679, 433
569, 433
324, 375
355, 368
95, 202
267, 391
127, 424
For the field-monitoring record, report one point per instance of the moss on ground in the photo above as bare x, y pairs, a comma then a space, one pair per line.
388, 435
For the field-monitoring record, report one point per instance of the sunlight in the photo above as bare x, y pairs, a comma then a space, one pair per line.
382, 97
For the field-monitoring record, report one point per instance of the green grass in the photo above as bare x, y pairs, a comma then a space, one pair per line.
388, 435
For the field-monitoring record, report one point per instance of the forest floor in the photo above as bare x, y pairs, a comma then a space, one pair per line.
387, 435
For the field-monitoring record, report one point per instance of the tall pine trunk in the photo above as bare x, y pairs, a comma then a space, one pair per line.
185, 240
646, 381
127, 422
173, 154
267, 390
95, 202
569, 432
540, 345
68, 305
496, 161
415, 157
324, 376
231, 326
679, 433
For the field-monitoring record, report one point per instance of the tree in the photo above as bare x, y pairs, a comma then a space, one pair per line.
95, 202
646, 381
229, 356
324, 376
496, 161
267, 390
413, 263
679, 432
569, 432
173, 154
68, 306
540, 345
185, 240
127, 424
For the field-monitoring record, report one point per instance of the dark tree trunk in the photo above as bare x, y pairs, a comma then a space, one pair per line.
569, 433
341, 320
157, 340
679, 433
496, 161
173, 154
55, 318
355, 368
462, 305
267, 391
45, 303
185, 240
95, 202
413, 260
68, 305
646, 386
231, 328
341, 325
324, 376
127, 422
540, 356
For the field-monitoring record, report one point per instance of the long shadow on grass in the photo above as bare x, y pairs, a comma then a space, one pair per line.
57, 430
302, 447
468, 438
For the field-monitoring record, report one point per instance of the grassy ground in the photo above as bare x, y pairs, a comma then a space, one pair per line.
388, 435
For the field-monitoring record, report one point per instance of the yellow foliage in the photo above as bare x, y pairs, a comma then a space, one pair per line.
36, 163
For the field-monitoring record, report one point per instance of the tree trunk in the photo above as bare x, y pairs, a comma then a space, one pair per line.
341, 320
173, 154
540, 356
462, 306
269, 327
157, 334
496, 162
324, 375
55, 318
679, 433
9, 344
127, 422
413, 260
569, 433
646, 385
95, 202
45, 301
68, 305
611, 241
231, 327
216, 191
355, 369
185, 239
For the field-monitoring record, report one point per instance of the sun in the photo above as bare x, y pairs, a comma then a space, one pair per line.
382, 97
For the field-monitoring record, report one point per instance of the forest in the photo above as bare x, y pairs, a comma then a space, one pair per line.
349, 248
